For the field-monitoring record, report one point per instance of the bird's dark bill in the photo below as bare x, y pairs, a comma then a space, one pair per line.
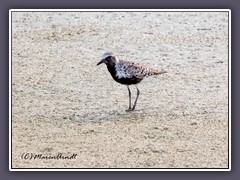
101, 62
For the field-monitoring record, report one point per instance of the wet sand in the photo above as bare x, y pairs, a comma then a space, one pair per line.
63, 103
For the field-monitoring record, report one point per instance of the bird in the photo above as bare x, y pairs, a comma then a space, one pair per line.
127, 73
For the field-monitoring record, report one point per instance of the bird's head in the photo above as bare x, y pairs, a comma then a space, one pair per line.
108, 58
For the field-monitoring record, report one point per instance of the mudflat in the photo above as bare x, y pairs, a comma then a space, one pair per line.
63, 103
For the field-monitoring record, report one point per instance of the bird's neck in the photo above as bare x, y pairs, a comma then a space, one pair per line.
112, 63
112, 66
112, 69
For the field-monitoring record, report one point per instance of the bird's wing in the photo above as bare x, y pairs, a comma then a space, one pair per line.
122, 69
140, 70
137, 69
128, 69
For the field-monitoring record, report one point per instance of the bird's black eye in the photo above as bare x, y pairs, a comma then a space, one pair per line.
108, 58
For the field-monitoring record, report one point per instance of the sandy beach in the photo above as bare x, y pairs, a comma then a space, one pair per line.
63, 103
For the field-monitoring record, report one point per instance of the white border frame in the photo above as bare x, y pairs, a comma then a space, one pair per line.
119, 10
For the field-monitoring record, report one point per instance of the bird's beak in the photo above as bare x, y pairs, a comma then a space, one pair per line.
100, 62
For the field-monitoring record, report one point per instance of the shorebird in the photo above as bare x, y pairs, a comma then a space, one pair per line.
127, 73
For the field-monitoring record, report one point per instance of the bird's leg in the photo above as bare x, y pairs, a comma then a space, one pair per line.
129, 94
138, 92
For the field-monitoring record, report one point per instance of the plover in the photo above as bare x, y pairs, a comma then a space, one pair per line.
127, 73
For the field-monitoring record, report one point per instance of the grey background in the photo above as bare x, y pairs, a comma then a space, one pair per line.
213, 4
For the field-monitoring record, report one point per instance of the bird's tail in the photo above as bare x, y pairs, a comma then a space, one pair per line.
156, 72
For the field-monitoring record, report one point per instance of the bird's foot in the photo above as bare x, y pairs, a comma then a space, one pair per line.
130, 109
